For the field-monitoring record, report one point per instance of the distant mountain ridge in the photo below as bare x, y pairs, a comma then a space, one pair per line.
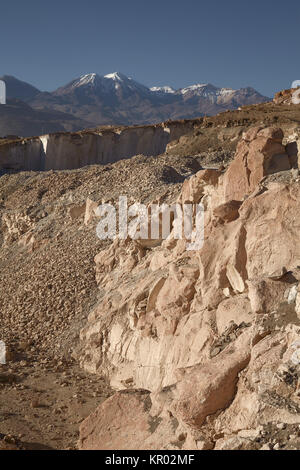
17, 89
92, 100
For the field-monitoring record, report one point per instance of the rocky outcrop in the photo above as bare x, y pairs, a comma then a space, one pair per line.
22, 155
64, 151
284, 96
124, 421
293, 148
213, 334
259, 153
8, 442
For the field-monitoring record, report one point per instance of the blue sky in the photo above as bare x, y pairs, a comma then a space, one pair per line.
177, 43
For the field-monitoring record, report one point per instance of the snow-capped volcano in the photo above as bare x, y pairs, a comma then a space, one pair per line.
117, 86
115, 98
115, 79
110, 83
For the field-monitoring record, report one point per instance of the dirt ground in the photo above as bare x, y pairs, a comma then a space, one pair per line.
42, 403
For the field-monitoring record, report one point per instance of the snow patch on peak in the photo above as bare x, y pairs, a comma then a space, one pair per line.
226, 91
88, 79
198, 86
117, 76
162, 89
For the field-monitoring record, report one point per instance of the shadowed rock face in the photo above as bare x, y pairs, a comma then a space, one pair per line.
214, 335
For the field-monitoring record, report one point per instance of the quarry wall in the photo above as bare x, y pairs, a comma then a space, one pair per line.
65, 151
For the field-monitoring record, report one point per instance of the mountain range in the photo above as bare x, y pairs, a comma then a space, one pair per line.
93, 100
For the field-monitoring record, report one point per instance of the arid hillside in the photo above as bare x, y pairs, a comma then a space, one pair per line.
195, 349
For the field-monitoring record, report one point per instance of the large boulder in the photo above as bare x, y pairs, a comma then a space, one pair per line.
259, 153
124, 422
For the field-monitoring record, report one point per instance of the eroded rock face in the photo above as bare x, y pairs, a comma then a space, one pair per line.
203, 390
272, 230
268, 390
64, 151
259, 153
293, 147
214, 335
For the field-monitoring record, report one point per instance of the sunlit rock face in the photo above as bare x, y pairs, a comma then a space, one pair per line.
65, 151
212, 336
